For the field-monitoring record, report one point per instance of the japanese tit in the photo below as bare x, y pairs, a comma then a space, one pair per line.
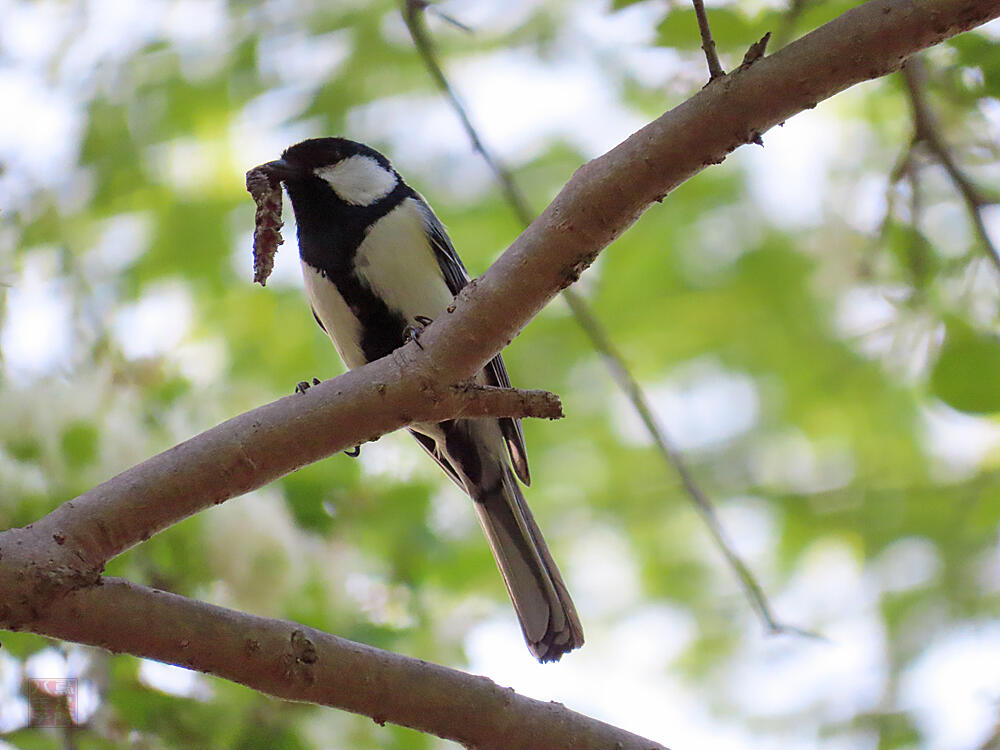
377, 262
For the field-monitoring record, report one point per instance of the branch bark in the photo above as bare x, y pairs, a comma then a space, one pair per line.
49, 571
297, 663
608, 194
69, 547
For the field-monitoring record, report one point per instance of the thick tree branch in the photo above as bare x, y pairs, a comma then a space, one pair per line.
69, 547
297, 663
41, 564
608, 194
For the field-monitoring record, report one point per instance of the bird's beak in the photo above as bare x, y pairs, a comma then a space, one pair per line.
281, 169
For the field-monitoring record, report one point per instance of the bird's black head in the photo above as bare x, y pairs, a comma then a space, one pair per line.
339, 190
324, 152
337, 169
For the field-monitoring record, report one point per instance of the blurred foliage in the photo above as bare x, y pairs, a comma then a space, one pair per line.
834, 379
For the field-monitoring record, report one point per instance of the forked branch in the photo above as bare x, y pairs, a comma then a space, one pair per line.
48, 580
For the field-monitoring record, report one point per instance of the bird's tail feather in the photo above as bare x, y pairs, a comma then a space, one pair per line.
543, 605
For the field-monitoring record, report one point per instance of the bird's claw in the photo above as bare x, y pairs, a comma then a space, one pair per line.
413, 332
304, 385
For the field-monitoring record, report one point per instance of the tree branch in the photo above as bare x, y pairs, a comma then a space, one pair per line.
49, 580
297, 663
69, 547
474, 400
928, 132
707, 43
608, 194
699, 499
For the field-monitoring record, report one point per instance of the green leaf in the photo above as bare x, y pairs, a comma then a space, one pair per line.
967, 373
978, 51
79, 444
24, 447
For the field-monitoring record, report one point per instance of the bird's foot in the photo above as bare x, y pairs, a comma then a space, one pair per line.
304, 385
413, 332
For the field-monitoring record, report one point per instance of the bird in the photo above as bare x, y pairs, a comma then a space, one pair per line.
378, 265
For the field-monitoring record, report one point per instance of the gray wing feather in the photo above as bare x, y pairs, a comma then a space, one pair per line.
496, 374
456, 276
451, 265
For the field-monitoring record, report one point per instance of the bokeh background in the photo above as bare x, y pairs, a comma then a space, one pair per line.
815, 322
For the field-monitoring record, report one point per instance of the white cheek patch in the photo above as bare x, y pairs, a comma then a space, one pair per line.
358, 180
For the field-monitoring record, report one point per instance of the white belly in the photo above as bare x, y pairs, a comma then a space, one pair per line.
398, 264
340, 323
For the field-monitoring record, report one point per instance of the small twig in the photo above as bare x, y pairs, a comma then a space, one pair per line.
928, 132
598, 335
447, 18
412, 15
489, 401
905, 169
707, 43
902, 170
756, 51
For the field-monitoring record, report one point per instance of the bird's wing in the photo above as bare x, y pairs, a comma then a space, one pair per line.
456, 276
496, 374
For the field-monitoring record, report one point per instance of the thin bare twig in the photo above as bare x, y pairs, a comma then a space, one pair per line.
928, 132
672, 455
486, 401
707, 43
413, 16
596, 332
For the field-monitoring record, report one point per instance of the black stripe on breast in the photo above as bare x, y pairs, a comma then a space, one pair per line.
330, 232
